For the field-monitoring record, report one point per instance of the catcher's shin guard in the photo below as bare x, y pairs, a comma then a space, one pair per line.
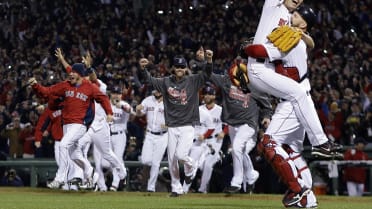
279, 160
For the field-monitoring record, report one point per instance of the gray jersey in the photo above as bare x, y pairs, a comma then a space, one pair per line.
239, 108
181, 98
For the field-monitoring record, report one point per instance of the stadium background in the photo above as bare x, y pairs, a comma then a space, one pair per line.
117, 33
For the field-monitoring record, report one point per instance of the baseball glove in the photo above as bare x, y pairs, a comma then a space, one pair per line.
239, 76
285, 37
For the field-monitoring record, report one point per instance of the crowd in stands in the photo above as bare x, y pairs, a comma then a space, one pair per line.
118, 33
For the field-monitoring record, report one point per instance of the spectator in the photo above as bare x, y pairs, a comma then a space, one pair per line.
11, 178
11, 132
27, 139
355, 176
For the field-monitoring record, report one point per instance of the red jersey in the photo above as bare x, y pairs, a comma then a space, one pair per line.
78, 105
354, 173
51, 121
26, 136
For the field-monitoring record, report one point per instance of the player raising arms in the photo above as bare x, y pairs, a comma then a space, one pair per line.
78, 110
181, 108
98, 133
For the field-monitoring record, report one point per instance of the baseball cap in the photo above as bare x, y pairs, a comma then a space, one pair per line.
179, 61
209, 90
360, 140
308, 15
79, 69
116, 90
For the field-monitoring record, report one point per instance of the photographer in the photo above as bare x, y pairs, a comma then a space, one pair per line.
11, 178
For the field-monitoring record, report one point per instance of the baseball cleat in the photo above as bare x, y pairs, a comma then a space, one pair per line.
231, 190
327, 150
113, 189
54, 184
174, 194
291, 198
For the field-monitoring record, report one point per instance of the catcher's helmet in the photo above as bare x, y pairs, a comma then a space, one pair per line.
308, 15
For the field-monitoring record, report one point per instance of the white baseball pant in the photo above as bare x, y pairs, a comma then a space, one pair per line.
153, 150
71, 134
209, 162
118, 142
242, 140
265, 79
180, 140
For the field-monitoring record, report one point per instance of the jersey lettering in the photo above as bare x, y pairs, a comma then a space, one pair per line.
117, 115
57, 113
150, 108
237, 94
282, 22
81, 96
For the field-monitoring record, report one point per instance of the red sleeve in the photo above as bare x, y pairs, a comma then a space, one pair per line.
41, 126
208, 133
57, 89
256, 51
102, 99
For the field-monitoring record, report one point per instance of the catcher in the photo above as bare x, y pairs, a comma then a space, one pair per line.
283, 139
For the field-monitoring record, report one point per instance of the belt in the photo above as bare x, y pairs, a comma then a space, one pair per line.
260, 60
116, 133
158, 133
209, 137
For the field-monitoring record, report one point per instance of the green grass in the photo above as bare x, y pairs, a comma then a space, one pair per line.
38, 198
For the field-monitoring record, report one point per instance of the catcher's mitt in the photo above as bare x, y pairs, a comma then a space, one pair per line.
238, 75
285, 37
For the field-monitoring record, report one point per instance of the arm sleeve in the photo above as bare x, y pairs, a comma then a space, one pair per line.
42, 125
55, 90
157, 83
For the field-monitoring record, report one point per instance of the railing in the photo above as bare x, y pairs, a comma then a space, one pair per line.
35, 165
333, 166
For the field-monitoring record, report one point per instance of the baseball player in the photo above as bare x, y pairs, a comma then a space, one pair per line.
50, 123
77, 113
98, 132
241, 112
122, 111
283, 139
214, 141
200, 148
262, 76
156, 138
181, 108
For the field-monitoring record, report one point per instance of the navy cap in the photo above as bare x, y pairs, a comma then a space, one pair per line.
209, 90
79, 69
308, 15
179, 61
116, 90
360, 140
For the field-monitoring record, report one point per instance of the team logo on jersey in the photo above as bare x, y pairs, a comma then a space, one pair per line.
178, 96
79, 95
237, 94
282, 22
